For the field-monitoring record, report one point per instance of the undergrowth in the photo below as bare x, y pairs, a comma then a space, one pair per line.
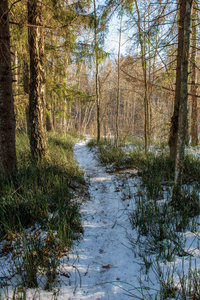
155, 168
160, 224
39, 213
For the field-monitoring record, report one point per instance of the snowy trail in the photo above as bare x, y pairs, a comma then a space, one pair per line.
104, 254
103, 266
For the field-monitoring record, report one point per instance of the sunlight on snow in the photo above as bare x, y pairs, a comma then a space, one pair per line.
100, 178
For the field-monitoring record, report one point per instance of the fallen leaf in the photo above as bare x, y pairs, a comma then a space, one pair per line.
65, 274
106, 267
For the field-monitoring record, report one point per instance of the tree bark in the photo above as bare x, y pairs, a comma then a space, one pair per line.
118, 83
8, 160
26, 90
174, 120
182, 93
194, 115
142, 41
37, 97
49, 119
97, 74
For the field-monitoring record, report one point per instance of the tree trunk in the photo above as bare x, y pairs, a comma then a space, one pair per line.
37, 101
49, 119
174, 120
8, 160
118, 84
26, 91
16, 75
146, 87
194, 115
97, 74
182, 93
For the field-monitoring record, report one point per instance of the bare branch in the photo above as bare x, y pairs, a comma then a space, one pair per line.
156, 85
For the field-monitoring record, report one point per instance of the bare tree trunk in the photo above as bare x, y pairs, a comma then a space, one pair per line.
184, 31
8, 160
49, 119
146, 89
16, 74
97, 74
174, 120
26, 91
133, 119
118, 84
69, 121
89, 115
79, 117
37, 97
194, 115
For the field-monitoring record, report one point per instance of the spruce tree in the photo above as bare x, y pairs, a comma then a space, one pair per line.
8, 160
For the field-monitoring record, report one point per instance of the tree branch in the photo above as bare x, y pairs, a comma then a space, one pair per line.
155, 85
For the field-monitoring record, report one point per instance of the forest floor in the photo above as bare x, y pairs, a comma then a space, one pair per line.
109, 262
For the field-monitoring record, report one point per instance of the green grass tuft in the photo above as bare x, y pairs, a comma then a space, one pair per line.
41, 198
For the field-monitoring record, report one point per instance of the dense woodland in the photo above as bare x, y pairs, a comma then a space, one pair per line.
58, 75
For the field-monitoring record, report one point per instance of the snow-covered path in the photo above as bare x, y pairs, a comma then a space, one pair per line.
103, 258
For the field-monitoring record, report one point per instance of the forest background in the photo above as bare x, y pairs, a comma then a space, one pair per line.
53, 47
147, 68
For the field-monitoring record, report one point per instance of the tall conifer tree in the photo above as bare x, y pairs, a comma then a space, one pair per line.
8, 161
37, 93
